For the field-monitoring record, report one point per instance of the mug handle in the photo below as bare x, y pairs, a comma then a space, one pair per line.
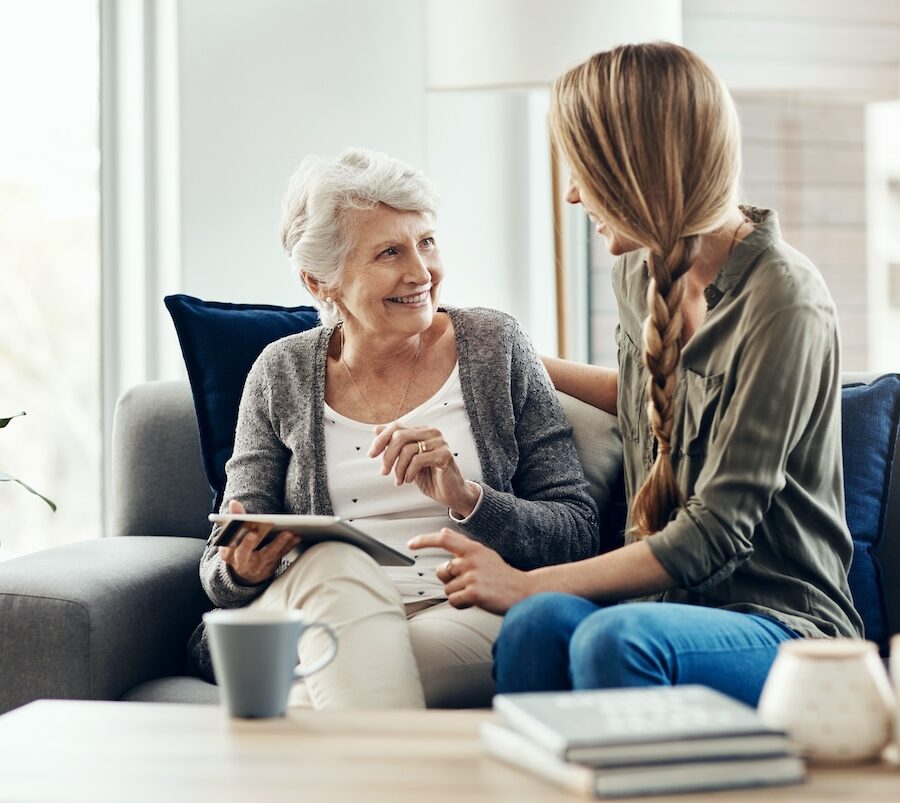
300, 672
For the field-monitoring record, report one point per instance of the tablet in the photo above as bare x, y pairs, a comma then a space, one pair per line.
314, 529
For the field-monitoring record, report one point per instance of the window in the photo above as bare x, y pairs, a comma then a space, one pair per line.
50, 271
803, 156
817, 93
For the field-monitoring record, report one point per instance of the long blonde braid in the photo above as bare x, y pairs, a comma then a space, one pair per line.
659, 495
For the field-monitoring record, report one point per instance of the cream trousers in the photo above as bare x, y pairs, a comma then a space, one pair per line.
389, 655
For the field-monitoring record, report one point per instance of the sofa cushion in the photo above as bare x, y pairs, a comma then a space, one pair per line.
598, 442
220, 343
870, 414
181, 689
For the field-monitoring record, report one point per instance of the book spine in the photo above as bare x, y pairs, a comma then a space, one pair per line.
516, 750
530, 726
746, 775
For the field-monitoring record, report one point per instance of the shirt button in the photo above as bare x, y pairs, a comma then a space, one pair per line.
712, 295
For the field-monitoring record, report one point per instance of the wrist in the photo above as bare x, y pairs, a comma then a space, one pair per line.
463, 507
239, 580
530, 584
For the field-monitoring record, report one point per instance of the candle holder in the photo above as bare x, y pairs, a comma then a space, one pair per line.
833, 698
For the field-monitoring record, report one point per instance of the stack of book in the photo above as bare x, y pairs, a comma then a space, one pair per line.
627, 742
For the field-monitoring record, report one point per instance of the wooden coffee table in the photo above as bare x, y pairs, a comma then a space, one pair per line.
94, 751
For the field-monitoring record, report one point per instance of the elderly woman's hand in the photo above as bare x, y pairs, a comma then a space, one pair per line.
477, 575
421, 455
250, 566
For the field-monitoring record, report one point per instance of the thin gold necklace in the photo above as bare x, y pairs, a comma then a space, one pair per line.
365, 401
734, 236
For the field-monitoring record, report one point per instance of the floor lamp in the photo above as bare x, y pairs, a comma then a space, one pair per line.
527, 44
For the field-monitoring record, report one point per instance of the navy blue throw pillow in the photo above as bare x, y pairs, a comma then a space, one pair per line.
220, 342
869, 416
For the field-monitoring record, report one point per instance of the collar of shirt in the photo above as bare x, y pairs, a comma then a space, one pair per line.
766, 231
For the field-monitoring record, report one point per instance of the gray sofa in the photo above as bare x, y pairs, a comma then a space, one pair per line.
109, 619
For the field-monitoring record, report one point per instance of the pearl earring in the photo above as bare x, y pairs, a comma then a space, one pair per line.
329, 300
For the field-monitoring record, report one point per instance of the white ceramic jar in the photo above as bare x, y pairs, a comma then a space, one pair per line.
833, 698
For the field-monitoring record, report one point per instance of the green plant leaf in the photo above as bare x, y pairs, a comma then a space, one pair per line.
8, 478
5, 421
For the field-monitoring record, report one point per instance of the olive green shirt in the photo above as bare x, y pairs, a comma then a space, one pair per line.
756, 442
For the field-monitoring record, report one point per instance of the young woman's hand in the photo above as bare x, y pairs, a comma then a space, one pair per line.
250, 566
431, 466
476, 575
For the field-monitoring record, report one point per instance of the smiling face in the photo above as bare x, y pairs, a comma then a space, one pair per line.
616, 243
393, 273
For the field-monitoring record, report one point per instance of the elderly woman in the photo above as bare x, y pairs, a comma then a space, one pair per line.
403, 417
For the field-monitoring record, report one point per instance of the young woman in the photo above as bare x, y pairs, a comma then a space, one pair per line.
728, 398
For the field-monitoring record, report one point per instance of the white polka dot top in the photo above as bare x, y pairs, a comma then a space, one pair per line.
375, 505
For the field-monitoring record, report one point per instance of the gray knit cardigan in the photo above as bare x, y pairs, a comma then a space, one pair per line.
536, 509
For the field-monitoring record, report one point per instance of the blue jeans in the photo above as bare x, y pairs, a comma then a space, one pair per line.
555, 641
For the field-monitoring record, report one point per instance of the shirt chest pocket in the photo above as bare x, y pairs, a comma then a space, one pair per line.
632, 409
702, 395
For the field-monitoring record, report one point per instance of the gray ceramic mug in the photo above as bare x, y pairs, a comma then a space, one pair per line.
254, 656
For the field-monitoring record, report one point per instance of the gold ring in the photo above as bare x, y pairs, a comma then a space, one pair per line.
422, 447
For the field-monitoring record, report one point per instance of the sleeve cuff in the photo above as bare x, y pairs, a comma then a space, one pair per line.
468, 518
695, 559
236, 594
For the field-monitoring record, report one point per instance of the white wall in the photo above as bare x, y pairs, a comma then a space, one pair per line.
489, 157
262, 84
489, 149
804, 156
269, 82
883, 209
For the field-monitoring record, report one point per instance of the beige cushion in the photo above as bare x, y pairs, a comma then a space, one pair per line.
599, 445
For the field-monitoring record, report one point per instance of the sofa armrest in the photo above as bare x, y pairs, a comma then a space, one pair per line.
156, 455
92, 619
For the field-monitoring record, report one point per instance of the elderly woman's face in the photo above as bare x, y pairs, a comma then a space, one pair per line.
393, 273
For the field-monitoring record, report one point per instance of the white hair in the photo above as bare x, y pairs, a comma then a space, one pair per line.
314, 228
